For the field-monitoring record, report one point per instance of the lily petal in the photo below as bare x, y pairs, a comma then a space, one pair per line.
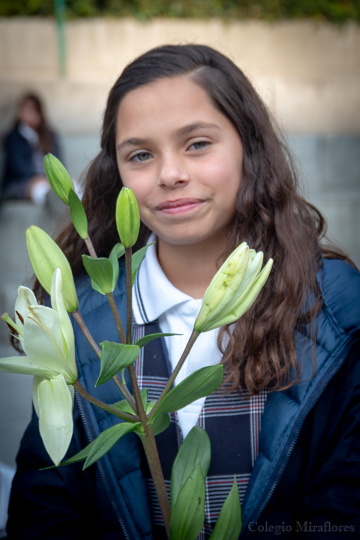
55, 416
57, 302
25, 366
36, 382
25, 299
43, 342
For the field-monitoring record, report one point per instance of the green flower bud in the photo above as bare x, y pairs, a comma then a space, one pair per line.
233, 289
127, 217
59, 178
45, 257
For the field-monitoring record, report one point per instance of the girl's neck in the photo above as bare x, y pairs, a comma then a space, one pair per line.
190, 268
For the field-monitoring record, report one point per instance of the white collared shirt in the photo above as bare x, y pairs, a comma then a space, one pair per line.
156, 298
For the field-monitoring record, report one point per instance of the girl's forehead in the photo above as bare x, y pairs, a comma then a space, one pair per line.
168, 89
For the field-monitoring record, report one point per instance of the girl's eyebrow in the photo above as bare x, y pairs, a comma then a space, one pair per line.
185, 130
133, 141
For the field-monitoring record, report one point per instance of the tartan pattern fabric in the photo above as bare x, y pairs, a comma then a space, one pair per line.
232, 421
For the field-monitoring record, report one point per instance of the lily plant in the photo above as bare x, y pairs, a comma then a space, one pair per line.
47, 337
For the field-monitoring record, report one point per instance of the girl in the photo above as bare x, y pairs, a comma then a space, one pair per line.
25, 147
186, 131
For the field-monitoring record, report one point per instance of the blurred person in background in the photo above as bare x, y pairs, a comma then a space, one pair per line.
25, 146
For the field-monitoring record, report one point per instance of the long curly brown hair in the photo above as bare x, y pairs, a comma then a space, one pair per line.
271, 216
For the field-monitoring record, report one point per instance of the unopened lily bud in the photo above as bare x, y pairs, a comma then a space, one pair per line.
45, 257
233, 289
127, 217
59, 178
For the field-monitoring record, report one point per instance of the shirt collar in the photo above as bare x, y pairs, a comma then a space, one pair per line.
153, 294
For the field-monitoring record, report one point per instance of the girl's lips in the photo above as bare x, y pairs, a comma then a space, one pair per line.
178, 206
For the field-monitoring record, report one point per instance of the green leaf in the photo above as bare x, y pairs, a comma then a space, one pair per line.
136, 260
101, 272
124, 406
229, 523
161, 423
187, 516
117, 251
83, 454
194, 451
146, 339
78, 216
106, 440
149, 407
144, 397
199, 384
114, 357
96, 287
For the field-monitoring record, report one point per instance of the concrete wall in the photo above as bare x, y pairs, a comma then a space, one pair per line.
308, 74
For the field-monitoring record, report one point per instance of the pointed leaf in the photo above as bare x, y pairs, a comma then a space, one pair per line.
161, 423
187, 516
114, 357
124, 405
136, 260
101, 272
144, 397
78, 216
106, 440
199, 384
194, 451
229, 522
96, 287
146, 339
80, 456
117, 251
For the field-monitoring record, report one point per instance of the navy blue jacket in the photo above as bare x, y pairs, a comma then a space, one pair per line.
306, 478
19, 166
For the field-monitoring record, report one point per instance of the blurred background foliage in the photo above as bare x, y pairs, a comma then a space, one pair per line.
336, 11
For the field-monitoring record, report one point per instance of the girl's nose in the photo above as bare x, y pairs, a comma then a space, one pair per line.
172, 173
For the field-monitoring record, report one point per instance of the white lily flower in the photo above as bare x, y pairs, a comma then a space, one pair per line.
233, 289
47, 337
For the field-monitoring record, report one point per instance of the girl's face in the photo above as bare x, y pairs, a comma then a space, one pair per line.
183, 160
29, 114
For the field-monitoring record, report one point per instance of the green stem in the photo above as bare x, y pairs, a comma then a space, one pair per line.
153, 459
82, 324
148, 440
80, 321
116, 316
174, 374
90, 247
109, 408
124, 390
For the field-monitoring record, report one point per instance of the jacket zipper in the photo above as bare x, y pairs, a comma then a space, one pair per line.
326, 379
101, 469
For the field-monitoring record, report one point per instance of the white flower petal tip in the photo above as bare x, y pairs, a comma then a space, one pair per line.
233, 289
54, 407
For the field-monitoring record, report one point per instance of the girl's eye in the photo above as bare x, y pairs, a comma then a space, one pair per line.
199, 145
140, 157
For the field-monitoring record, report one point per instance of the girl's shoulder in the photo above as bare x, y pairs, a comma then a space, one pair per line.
340, 287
